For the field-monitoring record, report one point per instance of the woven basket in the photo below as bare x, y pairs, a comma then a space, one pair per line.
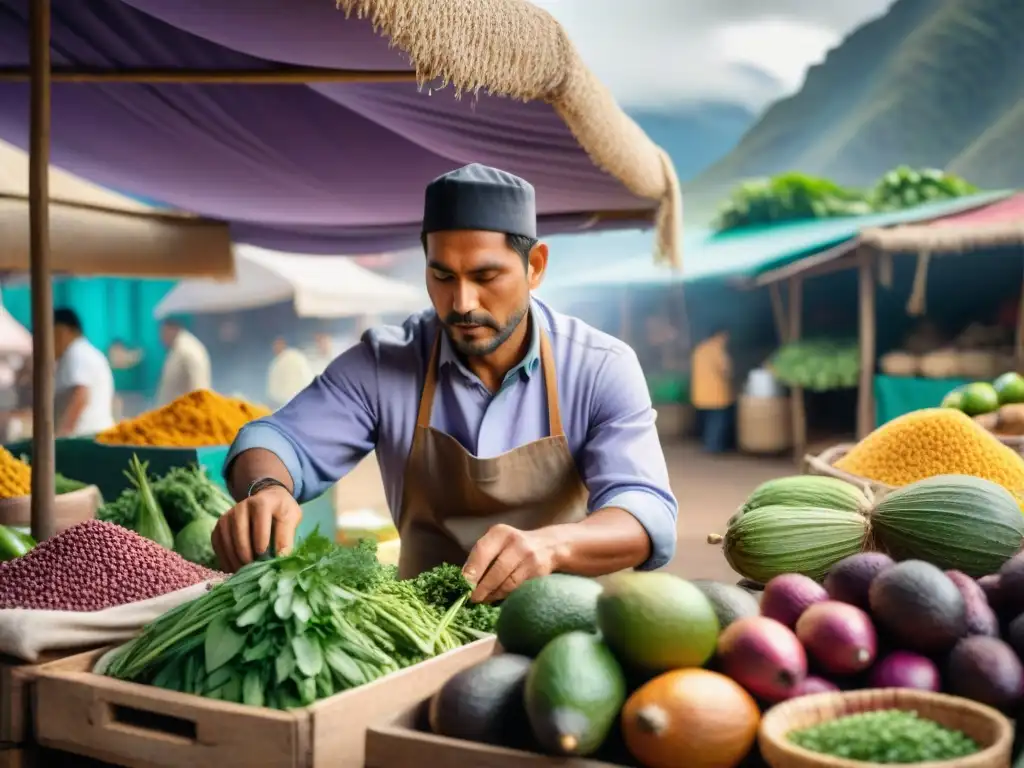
825, 465
943, 364
977, 364
992, 731
71, 508
899, 364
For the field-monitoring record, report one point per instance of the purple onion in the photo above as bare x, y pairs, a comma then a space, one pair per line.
903, 669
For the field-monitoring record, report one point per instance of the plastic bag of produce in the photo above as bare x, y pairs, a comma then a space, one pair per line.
27, 634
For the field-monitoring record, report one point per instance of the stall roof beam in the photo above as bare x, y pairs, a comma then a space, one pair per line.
275, 76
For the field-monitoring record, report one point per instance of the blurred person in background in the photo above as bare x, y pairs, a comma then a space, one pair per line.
289, 374
83, 381
711, 392
322, 354
187, 366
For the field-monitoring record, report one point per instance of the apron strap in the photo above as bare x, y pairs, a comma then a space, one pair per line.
429, 385
547, 364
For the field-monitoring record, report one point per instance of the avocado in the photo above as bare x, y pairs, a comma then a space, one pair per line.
574, 692
544, 608
657, 621
987, 670
729, 602
919, 605
484, 703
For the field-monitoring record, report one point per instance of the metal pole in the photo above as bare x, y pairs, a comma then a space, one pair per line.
43, 449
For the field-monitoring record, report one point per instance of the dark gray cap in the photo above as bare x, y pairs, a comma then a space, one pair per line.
481, 198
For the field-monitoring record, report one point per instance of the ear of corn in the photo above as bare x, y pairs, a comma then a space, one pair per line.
809, 491
953, 521
930, 442
769, 541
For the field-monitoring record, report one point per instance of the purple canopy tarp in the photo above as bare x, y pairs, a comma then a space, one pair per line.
322, 168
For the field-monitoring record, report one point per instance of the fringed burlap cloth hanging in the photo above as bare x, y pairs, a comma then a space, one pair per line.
516, 49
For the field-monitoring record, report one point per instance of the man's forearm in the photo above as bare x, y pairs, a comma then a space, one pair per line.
609, 540
256, 464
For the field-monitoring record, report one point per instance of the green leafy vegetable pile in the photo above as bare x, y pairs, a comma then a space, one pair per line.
186, 499
285, 632
818, 365
797, 196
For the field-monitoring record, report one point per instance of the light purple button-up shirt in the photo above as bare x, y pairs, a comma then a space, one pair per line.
368, 398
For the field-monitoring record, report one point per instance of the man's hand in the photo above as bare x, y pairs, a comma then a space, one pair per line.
244, 532
505, 557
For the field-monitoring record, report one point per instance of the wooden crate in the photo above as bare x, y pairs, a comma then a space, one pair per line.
404, 742
16, 677
140, 726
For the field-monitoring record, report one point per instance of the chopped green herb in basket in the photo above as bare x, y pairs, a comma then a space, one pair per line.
888, 736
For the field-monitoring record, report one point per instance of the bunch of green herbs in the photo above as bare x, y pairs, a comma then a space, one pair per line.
285, 632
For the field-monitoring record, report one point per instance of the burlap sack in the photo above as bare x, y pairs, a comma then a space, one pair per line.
26, 634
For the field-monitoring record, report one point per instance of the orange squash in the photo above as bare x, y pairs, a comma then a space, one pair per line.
690, 718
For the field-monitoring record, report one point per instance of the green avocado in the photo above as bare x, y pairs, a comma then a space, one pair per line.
544, 608
574, 693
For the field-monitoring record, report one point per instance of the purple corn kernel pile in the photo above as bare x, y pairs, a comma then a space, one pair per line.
92, 566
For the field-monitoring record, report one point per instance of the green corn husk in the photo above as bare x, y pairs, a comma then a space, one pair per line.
809, 491
955, 522
773, 540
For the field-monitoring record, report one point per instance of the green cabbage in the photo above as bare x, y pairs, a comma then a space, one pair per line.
194, 542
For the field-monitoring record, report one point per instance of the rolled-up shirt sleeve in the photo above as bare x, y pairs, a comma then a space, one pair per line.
622, 462
327, 428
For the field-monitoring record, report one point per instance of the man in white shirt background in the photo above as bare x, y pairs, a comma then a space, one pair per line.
290, 373
187, 366
83, 382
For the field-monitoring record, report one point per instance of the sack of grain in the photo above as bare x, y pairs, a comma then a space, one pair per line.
27, 634
92, 585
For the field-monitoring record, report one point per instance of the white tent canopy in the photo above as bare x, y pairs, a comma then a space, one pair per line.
14, 337
318, 286
94, 231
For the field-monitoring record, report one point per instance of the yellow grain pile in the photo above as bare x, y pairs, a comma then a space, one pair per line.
934, 441
15, 476
196, 419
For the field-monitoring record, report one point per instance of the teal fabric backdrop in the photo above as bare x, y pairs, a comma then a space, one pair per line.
111, 309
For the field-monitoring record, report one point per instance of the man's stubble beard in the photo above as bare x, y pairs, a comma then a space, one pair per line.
479, 349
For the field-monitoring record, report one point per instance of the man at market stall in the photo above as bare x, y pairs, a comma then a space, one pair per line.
187, 365
83, 381
512, 439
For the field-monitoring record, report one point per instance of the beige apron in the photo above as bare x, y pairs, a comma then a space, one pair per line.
451, 498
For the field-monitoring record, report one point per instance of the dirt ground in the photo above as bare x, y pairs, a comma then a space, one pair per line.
709, 489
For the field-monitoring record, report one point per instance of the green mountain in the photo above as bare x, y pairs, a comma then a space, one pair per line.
933, 83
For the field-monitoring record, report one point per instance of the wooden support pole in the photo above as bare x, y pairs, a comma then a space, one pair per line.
798, 413
1018, 338
778, 312
275, 76
44, 516
866, 386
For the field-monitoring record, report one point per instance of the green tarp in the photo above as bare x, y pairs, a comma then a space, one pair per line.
896, 395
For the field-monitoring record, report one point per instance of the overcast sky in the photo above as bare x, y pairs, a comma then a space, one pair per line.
660, 52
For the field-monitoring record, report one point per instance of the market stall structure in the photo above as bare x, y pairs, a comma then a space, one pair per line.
592, 165
316, 286
980, 223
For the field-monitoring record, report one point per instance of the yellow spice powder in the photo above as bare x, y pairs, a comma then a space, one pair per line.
200, 418
934, 441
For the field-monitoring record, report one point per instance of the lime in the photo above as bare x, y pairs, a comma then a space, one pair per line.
954, 399
1010, 388
978, 398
